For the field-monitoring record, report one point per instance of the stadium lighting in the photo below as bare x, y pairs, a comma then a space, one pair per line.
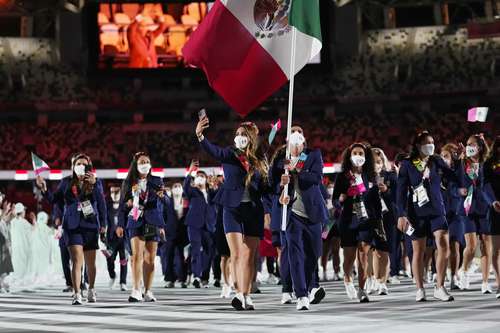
74, 6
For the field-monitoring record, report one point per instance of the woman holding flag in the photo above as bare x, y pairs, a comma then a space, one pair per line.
474, 210
81, 199
241, 196
307, 213
141, 205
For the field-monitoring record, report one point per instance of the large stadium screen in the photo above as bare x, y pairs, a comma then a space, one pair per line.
148, 35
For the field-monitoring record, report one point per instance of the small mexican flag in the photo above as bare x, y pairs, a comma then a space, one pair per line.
39, 165
244, 47
274, 129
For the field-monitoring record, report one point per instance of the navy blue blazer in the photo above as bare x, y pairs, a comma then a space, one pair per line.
491, 182
231, 191
170, 218
409, 178
310, 180
201, 212
68, 203
153, 208
371, 198
112, 221
481, 198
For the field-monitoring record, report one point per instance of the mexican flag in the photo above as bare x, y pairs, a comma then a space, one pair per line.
39, 165
244, 47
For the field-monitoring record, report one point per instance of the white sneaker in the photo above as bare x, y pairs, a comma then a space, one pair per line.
442, 294
350, 290
123, 287
486, 288
325, 277
336, 276
238, 302
369, 285
362, 296
112, 283
77, 299
317, 295
303, 304
420, 295
286, 298
149, 297
273, 280
226, 291
394, 280
375, 286
464, 280
249, 303
382, 289
92, 296
135, 296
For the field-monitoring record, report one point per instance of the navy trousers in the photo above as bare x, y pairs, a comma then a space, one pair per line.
394, 237
119, 249
286, 278
201, 248
172, 260
304, 249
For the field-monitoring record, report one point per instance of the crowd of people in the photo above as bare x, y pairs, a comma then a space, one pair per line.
422, 215
110, 143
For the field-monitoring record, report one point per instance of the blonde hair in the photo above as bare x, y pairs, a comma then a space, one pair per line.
377, 152
257, 163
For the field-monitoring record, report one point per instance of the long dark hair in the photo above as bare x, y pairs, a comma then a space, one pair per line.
494, 156
367, 169
87, 188
132, 175
484, 150
254, 155
417, 140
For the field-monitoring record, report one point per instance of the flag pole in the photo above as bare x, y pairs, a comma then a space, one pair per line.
289, 120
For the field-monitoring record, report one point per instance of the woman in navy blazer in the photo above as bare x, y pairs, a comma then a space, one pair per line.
474, 209
306, 215
141, 205
420, 205
81, 199
199, 220
452, 200
241, 197
361, 212
492, 186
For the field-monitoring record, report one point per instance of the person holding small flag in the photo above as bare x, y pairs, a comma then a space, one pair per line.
81, 199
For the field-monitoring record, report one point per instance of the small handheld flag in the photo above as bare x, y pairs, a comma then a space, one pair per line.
477, 114
39, 165
274, 129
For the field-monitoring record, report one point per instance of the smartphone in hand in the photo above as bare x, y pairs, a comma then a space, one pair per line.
202, 114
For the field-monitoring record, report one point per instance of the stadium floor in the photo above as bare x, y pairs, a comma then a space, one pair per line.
201, 310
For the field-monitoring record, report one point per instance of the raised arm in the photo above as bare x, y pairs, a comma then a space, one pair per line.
219, 153
161, 28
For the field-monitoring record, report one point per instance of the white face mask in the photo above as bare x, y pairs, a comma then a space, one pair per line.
199, 180
177, 191
330, 191
427, 149
115, 197
297, 139
357, 160
241, 142
471, 151
144, 168
79, 170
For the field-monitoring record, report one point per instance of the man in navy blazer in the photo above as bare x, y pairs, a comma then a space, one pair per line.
306, 213
200, 217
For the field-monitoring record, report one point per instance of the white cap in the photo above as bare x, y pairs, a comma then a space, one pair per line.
42, 217
18, 208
